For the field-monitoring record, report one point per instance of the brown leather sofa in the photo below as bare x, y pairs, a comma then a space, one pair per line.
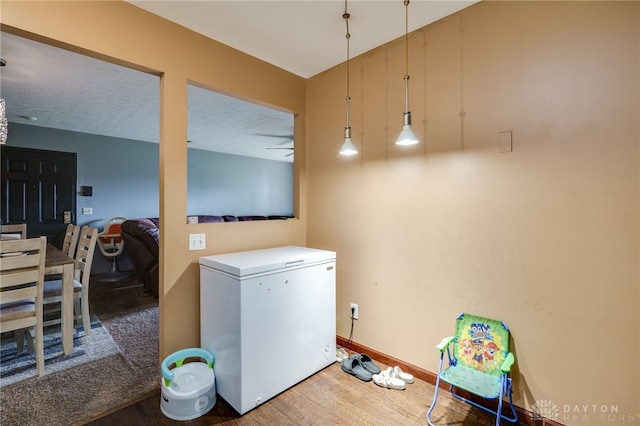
142, 240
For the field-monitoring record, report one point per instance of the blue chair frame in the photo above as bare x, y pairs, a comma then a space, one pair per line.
479, 363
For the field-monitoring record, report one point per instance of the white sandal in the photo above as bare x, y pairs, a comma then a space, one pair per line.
385, 380
399, 374
341, 354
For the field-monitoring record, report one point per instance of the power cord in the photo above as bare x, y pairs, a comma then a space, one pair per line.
347, 345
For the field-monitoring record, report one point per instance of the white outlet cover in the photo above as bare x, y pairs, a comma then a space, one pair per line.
197, 241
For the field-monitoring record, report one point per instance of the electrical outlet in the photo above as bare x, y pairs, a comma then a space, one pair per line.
197, 241
353, 310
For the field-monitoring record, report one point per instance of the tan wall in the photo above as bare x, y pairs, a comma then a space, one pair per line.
545, 238
122, 33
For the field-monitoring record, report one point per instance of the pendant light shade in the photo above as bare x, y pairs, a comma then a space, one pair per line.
3, 122
348, 148
406, 136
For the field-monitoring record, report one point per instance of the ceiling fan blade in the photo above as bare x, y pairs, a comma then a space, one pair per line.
268, 135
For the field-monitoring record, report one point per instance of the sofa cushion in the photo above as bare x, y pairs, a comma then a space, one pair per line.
248, 218
210, 219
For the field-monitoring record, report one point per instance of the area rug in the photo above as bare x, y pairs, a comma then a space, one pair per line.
15, 367
77, 395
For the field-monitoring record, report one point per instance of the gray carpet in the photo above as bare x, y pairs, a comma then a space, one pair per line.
76, 395
17, 366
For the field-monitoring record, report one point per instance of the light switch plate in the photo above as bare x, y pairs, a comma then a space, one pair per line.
505, 142
197, 241
87, 210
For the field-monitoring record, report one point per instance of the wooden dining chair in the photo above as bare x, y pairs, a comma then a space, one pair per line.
21, 290
83, 260
70, 240
13, 231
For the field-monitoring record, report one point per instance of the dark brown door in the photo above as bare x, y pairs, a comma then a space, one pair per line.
38, 187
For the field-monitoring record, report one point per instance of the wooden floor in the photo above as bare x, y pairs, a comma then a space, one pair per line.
330, 397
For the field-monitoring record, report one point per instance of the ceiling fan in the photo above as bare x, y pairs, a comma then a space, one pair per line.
289, 139
286, 155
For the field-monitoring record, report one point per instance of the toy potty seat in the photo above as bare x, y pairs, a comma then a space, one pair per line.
188, 390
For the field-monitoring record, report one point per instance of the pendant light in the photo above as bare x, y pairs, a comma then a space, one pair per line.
3, 123
347, 148
3, 115
406, 136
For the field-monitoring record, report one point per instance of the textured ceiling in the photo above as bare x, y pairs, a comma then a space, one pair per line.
65, 90
68, 91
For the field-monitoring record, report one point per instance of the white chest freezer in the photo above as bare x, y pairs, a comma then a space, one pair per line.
269, 318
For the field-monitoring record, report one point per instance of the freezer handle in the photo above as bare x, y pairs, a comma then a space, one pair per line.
293, 263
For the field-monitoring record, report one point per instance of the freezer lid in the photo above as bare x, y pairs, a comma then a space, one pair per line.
251, 262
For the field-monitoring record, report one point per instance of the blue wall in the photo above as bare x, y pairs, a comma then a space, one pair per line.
222, 184
123, 173
124, 177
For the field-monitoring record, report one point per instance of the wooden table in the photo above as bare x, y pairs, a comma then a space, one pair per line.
56, 262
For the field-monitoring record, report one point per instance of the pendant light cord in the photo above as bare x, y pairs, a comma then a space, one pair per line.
406, 37
406, 55
346, 17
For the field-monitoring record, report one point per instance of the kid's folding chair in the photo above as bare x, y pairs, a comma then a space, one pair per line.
480, 364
